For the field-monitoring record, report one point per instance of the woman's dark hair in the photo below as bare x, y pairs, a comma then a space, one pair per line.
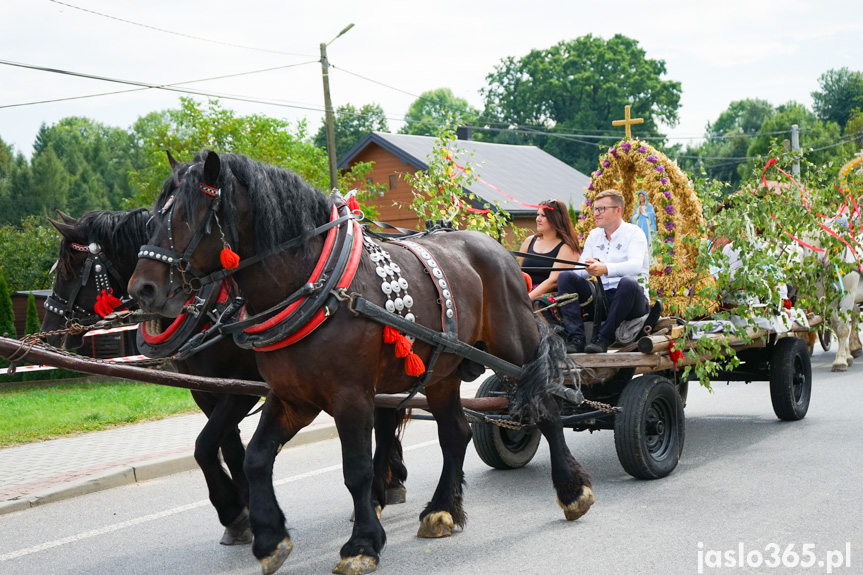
558, 217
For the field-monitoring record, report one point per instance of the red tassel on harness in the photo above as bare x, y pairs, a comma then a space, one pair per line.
403, 346
391, 334
354, 206
528, 281
414, 366
106, 303
229, 258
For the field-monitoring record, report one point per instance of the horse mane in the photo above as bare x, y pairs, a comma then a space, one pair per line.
283, 205
119, 233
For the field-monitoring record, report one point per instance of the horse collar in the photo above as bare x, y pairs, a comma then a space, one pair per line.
307, 308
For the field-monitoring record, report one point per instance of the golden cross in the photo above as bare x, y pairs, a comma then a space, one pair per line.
627, 122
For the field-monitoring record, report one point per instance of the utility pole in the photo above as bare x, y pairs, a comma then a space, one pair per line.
795, 147
328, 109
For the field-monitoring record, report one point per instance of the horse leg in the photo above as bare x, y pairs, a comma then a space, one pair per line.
279, 422
855, 347
390, 471
229, 497
445, 510
571, 481
397, 473
236, 408
840, 328
354, 420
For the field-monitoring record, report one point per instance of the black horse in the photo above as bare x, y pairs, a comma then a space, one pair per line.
115, 238
296, 246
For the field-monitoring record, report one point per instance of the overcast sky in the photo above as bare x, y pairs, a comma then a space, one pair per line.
719, 51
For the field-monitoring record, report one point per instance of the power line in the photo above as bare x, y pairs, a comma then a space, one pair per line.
167, 87
149, 88
179, 33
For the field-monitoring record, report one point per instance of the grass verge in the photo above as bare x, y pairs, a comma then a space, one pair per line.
36, 414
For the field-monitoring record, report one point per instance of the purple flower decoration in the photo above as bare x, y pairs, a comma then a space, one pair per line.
669, 225
598, 173
669, 240
671, 253
667, 270
663, 181
660, 292
588, 203
613, 152
669, 209
642, 149
667, 194
605, 163
590, 187
626, 146
652, 159
581, 217
659, 169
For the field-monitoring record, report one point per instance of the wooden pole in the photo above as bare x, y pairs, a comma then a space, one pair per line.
12, 348
330, 120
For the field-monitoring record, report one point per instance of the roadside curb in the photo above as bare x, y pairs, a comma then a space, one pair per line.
144, 471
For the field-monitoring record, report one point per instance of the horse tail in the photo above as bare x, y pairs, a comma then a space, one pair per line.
403, 416
545, 370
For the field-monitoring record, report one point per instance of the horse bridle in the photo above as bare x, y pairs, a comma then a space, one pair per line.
100, 267
173, 259
182, 261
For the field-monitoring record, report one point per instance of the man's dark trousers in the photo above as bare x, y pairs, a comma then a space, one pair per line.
626, 302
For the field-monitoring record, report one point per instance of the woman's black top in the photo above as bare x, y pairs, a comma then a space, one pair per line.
537, 277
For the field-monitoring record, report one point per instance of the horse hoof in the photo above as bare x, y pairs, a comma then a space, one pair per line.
437, 524
396, 495
578, 507
239, 531
356, 565
271, 563
839, 368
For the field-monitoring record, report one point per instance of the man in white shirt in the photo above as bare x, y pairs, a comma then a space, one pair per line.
616, 252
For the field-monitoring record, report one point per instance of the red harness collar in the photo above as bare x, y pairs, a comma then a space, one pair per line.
318, 318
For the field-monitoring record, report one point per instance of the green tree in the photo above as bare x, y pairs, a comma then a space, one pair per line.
195, 126
352, 125
841, 91
33, 324
96, 157
49, 187
434, 110
817, 139
28, 254
581, 85
728, 139
7, 314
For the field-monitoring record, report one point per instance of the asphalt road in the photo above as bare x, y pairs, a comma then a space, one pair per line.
745, 478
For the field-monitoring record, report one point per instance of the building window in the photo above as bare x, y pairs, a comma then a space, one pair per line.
392, 182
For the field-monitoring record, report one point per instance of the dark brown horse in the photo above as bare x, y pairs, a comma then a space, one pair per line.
273, 218
115, 237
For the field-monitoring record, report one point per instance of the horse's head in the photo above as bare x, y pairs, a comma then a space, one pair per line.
188, 236
83, 272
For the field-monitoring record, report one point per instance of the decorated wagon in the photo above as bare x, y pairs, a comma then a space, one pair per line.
383, 346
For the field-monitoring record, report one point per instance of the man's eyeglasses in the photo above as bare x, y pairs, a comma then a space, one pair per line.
601, 209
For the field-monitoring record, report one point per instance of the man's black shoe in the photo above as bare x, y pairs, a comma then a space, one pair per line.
574, 344
598, 345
